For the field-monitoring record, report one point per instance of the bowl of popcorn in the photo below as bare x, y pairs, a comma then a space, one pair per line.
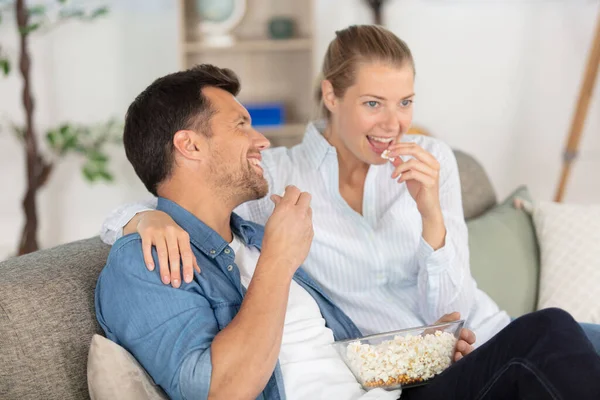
401, 359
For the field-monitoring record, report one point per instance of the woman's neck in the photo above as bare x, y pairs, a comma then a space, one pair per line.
352, 171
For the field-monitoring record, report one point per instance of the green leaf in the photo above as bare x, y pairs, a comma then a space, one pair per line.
99, 12
30, 28
5, 66
37, 10
107, 176
72, 13
98, 157
51, 138
70, 143
64, 130
89, 173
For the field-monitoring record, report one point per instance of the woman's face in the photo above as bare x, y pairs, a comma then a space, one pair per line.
373, 113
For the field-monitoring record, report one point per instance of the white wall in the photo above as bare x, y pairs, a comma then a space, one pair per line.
83, 73
497, 78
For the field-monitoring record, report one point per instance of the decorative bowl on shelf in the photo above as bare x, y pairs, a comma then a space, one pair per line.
401, 359
281, 28
218, 18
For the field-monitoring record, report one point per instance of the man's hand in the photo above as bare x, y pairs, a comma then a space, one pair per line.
466, 339
289, 230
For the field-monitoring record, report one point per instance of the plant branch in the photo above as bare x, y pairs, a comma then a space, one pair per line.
28, 238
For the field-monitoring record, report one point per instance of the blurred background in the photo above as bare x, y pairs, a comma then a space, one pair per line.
498, 79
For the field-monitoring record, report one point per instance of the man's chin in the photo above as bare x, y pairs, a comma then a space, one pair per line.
258, 190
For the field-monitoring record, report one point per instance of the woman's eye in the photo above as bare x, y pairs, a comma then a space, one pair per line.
372, 103
406, 103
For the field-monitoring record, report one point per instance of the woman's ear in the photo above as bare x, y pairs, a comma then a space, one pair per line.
189, 144
329, 99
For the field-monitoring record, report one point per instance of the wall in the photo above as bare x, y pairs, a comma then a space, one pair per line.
82, 73
497, 78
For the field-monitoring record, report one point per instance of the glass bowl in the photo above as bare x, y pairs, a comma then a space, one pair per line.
401, 359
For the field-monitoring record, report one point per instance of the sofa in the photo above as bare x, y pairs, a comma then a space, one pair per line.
47, 315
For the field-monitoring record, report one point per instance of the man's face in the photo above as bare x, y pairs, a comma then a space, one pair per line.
234, 149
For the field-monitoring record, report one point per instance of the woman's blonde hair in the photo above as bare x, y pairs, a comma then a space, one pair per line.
356, 45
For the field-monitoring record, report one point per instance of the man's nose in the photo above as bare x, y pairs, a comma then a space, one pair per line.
260, 141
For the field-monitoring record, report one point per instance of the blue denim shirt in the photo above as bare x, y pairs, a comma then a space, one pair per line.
170, 331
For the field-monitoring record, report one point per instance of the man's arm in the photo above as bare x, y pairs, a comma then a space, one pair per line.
174, 333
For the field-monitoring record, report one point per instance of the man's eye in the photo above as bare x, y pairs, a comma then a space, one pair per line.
406, 103
372, 103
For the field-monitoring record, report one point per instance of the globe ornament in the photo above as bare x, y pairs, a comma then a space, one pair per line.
218, 18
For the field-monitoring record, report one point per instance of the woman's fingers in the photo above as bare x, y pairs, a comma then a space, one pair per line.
147, 250
463, 348
413, 149
163, 260
468, 336
187, 257
426, 180
174, 255
416, 165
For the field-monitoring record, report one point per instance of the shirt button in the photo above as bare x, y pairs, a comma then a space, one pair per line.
212, 252
227, 251
229, 268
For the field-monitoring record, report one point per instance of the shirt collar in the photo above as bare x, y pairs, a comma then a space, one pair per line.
315, 145
204, 237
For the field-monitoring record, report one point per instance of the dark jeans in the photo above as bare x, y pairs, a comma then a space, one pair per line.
542, 355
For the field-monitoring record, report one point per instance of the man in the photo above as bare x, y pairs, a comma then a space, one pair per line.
253, 324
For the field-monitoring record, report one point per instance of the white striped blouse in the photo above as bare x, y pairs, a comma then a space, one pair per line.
375, 266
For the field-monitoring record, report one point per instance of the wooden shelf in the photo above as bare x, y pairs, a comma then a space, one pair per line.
254, 45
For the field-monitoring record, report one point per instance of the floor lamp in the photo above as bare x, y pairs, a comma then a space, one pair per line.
585, 95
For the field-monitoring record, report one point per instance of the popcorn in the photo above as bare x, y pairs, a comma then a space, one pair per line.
403, 360
386, 155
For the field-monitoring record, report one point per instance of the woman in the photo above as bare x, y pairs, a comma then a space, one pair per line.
390, 243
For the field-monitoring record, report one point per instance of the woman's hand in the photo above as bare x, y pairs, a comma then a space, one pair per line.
466, 339
422, 176
172, 243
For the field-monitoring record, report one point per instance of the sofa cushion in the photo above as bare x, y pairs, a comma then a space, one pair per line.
569, 237
478, 195
114, 374
47, 320
505, 256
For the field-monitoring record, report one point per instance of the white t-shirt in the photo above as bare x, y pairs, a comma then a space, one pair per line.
311, 367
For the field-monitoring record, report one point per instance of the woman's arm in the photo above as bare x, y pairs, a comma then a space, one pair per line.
112, 227
445, 283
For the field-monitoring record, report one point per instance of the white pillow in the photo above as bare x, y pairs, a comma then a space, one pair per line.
569, 238
114, 374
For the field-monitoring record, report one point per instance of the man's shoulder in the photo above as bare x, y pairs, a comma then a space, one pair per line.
126, 253
131, 243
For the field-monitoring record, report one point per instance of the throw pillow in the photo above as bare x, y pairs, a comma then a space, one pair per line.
569, 237
504, 255
113, 374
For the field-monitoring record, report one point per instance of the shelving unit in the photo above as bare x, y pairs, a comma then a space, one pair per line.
270, 70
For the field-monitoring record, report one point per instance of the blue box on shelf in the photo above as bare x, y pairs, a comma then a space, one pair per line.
266, 114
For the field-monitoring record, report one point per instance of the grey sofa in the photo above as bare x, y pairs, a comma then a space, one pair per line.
47, 307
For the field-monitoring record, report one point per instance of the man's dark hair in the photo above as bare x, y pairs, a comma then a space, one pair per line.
171, 103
